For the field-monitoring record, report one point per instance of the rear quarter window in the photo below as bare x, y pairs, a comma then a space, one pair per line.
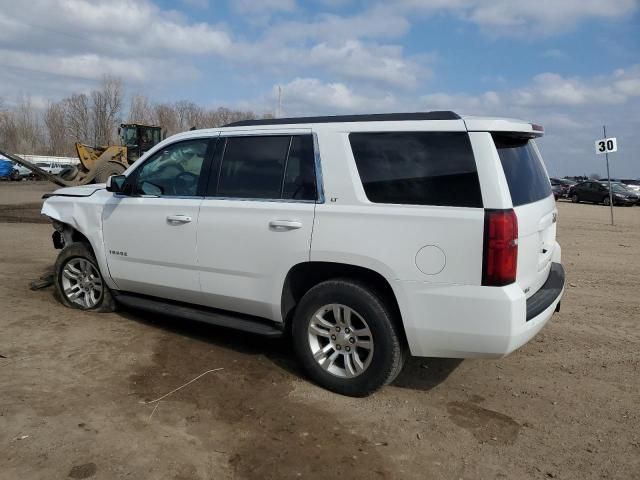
527, 179
417, 168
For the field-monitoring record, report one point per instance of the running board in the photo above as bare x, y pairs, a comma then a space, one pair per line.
244, 323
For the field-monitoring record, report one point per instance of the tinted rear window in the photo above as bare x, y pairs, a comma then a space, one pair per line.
418, 168
526, 177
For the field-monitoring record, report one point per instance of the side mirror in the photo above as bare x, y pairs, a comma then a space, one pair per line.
116, 183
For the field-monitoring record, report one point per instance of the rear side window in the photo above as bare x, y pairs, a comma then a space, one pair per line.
417, 168
269, 167
526, 177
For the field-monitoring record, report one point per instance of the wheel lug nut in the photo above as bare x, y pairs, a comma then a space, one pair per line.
337, 329
338, 347
333, 337
348, 349
346, 330
352, 340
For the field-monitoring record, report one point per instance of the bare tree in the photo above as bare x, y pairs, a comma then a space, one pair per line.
106, 108
77, 118
140, 110
93, 118
54, 121
27, 127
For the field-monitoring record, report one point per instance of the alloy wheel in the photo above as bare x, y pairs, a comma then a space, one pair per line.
81, 283
341, 341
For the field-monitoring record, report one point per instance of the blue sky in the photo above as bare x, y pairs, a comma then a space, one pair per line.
571, 65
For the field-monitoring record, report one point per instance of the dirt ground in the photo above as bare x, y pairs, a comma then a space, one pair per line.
75, 387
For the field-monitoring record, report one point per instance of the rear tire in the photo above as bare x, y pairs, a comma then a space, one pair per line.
105, 170
606, 201
575, 198
345, 338
78, 281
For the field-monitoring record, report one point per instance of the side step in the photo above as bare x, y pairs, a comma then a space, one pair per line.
200, 314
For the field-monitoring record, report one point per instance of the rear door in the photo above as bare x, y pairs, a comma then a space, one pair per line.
256, 221
534, 206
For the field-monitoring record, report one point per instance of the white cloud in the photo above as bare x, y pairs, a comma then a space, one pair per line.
262, 6
353, 59
311, 96
525, 17
122, 27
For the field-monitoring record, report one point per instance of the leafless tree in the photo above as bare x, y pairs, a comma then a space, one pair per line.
140, 110
27, 127
77, 118
54, 121
93, 118
106, 108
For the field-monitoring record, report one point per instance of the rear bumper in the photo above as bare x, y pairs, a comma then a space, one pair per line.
460, 321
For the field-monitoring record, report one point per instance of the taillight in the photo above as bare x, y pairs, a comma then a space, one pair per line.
500, 256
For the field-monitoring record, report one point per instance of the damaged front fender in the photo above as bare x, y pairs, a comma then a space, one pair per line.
82, 214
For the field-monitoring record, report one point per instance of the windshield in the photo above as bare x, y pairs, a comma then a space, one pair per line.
616, 187
129, 136
527, 179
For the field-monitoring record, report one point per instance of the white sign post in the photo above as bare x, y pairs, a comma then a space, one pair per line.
606, 145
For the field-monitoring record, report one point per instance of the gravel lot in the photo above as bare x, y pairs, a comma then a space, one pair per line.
74, 385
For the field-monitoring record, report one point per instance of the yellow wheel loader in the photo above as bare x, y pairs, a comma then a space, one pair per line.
99, 163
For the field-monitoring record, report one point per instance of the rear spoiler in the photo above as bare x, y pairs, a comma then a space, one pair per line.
507, 126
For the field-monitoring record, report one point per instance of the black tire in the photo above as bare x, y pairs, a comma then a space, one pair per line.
606, 201
71, 253
575, 198
69, 173
387, 357
15, 176
107, 169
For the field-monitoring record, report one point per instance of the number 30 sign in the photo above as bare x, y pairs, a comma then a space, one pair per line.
606, 145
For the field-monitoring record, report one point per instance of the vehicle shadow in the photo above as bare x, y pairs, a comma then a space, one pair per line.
425, 373
278, 350
418, 373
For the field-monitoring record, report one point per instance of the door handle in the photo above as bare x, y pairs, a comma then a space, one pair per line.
178, 219
284, 225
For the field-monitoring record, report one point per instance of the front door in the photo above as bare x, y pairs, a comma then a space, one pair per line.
150, 235
256, 221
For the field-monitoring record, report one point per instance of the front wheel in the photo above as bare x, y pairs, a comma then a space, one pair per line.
575, 198
345, 338
78, 281
606, 201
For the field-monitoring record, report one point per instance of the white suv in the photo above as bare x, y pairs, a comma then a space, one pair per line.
363, 237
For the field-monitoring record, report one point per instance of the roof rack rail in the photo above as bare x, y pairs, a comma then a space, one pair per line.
376, 117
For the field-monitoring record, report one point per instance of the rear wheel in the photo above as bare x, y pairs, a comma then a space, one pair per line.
575, 198
78, 281
107, 169
606, 201
345, 338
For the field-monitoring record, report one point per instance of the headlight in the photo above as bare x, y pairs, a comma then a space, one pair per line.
619, 195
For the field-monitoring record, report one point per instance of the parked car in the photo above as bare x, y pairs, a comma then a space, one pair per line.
7, 172
53, 168
564, 185
556, 188
633, 185
596, 191
367, 237
23, 171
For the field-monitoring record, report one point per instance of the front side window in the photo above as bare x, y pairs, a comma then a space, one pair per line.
417, 168
173, 171
267, 167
